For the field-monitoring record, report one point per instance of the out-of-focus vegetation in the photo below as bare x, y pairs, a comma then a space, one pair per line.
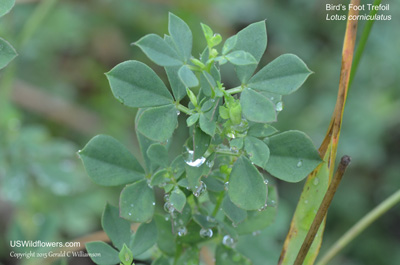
54, 97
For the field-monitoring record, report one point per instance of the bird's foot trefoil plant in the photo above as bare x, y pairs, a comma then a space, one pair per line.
217, 189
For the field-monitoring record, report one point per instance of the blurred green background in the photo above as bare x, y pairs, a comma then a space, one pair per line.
54, 97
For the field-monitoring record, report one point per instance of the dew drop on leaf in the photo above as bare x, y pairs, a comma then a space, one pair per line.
206, 233
200, 190
300, 163
228, 241
188, 156
182, 231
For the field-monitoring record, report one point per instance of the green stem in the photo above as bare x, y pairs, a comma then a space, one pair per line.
363, 42
184, 109
360, 226
235, 90
222, 152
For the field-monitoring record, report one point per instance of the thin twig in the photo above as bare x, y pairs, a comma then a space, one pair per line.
326, 202
360, 226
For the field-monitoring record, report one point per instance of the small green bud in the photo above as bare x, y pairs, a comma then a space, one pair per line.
192, 97
126, 256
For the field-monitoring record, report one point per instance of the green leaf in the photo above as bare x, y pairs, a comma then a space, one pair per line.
187, 77
177, 199
211, 38
229, 256
236, 144
160, 177
293, 156
252, 39
193, 175
241, 58
116, 228
158, 123
207, 126
158, 50
258, 220
192, 119
109, 163
6, 6
125, 255
178, 166
257, 150
137, 202
256, 107
200, 144
246, 185
207, 83
144, 144
166, 240
191, 256
213, 182
229, 44
261, 130
203, 221
136, 85
102, 253
178, 88
158, 154
145, 237
234, 213
282, 76
181, 34
7, 52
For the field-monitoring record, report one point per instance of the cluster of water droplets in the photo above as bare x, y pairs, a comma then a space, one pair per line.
168, 206
188, 156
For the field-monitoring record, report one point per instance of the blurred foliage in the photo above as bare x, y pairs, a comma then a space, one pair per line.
77, 41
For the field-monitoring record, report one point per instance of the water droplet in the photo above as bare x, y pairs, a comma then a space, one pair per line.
166, 197
279, 106
168, 207
266, 181
210, 219
226, 186
129, 214
231, 135
79, 151
300, 163
178, 112
306, 201
272, 98
132, 205
263, 207
200, 190
256, 233
228, 241
167, 218
188, 156
316, 181
182, 231
154, 203
206, 233
210, 163
271, 203
234, 225
149, 184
